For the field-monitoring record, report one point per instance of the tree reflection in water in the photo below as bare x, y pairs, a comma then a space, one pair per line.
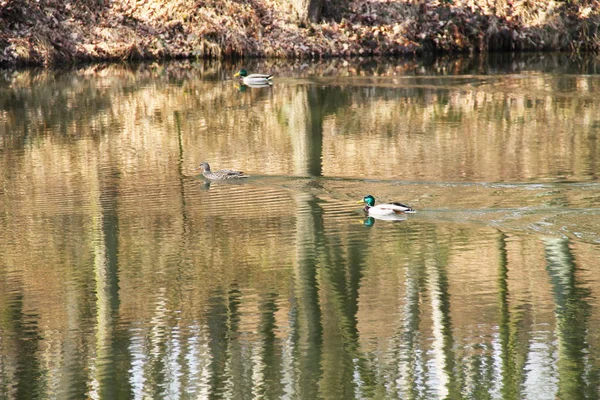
123, 276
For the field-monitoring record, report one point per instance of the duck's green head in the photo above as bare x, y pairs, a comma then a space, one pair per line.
242, 72
370, 200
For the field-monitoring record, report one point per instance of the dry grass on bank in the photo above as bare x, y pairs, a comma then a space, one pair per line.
59, 31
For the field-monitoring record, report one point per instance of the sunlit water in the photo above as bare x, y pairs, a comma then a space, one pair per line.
123, 274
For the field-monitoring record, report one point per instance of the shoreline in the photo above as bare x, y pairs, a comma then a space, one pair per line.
55, 32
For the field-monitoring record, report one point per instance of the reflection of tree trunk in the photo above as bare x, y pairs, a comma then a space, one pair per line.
405, 346
444, 360
181, 180
346, 371
510, 374
511, 327
305, 114
226, 358
109, 345
73, 379
308, 318
103, 314
19, 331
305, 121
236, 386
439, 318
271, 387
356, 262
218, 328
572, 314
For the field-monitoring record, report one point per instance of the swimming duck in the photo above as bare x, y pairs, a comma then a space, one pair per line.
221, 174
384, 209
253, 79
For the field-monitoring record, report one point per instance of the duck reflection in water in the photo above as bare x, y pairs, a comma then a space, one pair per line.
242, 87
370, 220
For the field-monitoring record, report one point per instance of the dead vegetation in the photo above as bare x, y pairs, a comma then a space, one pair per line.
67, 31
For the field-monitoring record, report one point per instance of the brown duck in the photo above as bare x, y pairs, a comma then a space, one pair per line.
221, 174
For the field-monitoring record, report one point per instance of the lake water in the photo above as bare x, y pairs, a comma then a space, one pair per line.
123, 274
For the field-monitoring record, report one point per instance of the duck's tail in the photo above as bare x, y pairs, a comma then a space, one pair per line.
403, 208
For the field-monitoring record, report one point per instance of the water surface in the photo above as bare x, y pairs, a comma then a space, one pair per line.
123, 274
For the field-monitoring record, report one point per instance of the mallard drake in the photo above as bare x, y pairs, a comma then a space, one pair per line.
253, 79
384, 209
221, 174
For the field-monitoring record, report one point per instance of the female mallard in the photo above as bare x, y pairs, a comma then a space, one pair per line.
384, 209
221, 174
254, 79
